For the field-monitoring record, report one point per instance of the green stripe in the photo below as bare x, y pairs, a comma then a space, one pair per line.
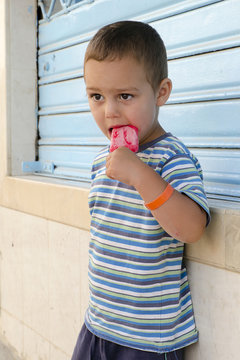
132, 240
142, 321
181, 171
141, 288
136, 276
159, 345
130, 262
126, 227
139, 253
165, 308
146, 219
116, 202
134, 298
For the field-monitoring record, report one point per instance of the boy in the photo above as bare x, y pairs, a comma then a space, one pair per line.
144, 206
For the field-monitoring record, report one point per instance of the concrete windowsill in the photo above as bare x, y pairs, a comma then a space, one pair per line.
47, 198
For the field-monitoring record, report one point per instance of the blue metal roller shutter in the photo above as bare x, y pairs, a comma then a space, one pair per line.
203, 110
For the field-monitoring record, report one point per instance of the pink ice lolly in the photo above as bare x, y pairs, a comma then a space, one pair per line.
124, 136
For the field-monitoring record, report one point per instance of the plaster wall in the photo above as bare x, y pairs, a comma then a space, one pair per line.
44, 286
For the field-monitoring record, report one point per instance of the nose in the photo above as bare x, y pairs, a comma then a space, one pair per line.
111, 109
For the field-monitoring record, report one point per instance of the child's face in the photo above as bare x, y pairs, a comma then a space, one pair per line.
119, 94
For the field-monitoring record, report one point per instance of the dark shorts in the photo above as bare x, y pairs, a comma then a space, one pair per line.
91, 347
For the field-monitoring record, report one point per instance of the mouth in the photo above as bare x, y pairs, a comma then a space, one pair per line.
114, 127
110, 132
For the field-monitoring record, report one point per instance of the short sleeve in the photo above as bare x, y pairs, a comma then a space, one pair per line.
185, 175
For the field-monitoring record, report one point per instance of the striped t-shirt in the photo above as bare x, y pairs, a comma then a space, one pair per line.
139, 292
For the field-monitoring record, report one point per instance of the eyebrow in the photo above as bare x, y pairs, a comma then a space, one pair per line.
122, 90
128, 89
93, 89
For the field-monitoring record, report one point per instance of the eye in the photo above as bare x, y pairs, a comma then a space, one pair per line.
126, 96
96, 97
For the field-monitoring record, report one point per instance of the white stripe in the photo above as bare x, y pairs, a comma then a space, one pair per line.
149, 308
96, 253
143, 331
122, 198
134, 225
168, 315
135, 294
130, 239
178, 246
131, 216
126, 270
176, 168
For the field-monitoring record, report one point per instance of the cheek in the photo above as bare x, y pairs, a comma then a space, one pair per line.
146, 115
146, 120
93, 108
96, 113
100, 121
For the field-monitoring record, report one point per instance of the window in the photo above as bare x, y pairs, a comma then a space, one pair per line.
204, 56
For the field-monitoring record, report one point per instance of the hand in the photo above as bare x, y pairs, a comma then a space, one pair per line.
123, 165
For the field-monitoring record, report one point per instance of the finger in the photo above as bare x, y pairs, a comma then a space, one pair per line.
107, 163
108, 158
108, 173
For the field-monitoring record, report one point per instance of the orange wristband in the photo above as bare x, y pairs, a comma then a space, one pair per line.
161, 199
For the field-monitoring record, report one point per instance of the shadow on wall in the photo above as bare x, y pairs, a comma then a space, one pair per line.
6, 351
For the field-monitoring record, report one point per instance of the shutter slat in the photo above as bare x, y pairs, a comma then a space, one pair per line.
203, 110
204, 124
80, 24
203, 77
205, 29
70, 129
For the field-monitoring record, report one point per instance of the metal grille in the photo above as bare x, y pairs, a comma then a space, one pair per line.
52, 8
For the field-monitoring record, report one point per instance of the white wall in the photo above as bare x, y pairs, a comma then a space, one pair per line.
44, 286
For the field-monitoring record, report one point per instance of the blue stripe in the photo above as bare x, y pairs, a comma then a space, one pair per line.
123, 216
150, 334
134, 301
129, 276
128, 232
134, 289
161, 347
139, 311
153, 267
164, 240
145, 255
151, 325
123, 206
121, 192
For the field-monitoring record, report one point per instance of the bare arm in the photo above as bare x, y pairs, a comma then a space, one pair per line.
180, 216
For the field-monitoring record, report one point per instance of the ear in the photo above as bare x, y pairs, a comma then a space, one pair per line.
164, 91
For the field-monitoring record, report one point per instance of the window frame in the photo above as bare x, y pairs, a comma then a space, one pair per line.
51, 199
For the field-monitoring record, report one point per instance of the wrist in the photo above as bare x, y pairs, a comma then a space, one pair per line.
148, 183
139, 174
161, 199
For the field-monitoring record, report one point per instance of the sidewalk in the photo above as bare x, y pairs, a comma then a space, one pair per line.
6, 351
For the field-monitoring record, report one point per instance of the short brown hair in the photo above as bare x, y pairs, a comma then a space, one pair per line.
131, 38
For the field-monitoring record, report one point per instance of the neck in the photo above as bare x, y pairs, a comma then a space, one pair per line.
156, 132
